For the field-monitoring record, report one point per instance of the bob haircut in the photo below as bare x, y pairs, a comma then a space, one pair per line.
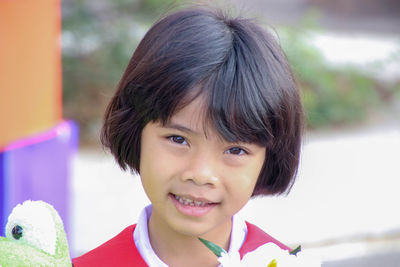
238, 67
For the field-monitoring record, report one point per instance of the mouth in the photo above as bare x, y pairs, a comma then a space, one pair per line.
192, 206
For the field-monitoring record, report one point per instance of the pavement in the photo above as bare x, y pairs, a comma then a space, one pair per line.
343, 208
388, 259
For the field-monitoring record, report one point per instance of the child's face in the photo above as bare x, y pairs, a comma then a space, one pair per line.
195, 180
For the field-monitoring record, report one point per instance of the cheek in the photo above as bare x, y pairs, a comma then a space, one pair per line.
149, 168
241, 185
156, 167
150, 171
245, 180
245, 185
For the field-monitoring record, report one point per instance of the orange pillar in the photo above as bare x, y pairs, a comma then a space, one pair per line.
30, 67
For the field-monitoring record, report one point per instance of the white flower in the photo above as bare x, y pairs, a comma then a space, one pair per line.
230, 260
264, 255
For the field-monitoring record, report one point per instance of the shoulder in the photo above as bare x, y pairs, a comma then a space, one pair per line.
118, 251
256, 237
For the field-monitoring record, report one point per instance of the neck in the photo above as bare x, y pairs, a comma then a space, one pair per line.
178, 249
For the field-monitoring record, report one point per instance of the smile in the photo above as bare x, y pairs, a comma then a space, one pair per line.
191, 202
191, 206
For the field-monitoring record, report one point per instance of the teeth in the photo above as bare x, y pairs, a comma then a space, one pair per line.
190, 202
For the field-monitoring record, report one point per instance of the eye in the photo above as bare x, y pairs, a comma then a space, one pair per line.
236, 151
17, 232
178, 139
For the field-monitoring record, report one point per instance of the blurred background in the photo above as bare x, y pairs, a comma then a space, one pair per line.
346, 57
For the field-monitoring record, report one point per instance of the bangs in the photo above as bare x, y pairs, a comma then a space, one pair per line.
232, 105
236, 107
241, 96
228, 63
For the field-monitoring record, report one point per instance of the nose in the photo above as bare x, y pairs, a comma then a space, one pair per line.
201, 170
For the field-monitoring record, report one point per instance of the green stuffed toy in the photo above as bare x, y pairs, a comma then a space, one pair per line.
35, 236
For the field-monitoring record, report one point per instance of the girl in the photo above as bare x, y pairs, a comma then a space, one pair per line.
209, 115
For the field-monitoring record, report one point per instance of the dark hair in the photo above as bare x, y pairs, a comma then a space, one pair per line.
239, 68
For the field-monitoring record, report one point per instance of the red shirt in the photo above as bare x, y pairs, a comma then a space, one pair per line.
121, 249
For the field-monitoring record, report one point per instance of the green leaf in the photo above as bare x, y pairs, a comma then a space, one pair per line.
295, 251
217, 250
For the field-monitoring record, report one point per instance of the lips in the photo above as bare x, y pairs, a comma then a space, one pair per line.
192, 206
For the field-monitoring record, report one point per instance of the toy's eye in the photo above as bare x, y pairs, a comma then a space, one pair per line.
17, 232
32, 223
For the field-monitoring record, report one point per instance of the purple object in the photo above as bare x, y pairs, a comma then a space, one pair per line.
38, 168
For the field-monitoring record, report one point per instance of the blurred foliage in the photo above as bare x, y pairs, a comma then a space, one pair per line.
331, 95
99, 38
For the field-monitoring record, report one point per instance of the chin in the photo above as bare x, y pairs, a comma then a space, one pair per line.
194, 229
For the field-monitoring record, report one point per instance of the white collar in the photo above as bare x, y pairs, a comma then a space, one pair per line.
142, 241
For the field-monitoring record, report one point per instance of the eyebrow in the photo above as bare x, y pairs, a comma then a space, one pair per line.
179, 127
